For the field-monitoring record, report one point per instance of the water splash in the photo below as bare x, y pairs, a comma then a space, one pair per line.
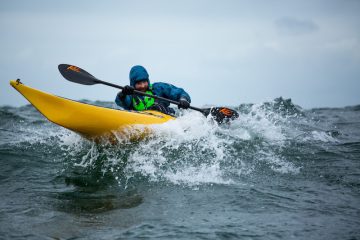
190, 150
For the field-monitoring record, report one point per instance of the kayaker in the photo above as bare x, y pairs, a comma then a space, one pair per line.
139, 80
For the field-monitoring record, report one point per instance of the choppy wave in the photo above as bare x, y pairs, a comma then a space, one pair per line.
268, 138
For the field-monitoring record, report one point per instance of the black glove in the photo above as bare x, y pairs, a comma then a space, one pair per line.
183, 103
127, 90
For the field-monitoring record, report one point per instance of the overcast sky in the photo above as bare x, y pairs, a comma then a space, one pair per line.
221, 52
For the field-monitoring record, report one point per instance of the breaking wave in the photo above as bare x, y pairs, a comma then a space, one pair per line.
267, 138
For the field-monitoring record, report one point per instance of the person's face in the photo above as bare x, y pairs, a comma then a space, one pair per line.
142, 86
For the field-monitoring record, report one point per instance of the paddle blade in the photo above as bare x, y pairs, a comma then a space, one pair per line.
221, 114
77, 75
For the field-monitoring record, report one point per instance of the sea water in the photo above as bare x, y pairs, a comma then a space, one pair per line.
277, 172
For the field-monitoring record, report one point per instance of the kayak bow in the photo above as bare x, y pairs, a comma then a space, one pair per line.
88, 120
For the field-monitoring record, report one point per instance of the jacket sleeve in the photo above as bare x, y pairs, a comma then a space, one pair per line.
123, 101
170, 91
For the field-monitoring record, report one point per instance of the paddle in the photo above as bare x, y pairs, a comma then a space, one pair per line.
78, 75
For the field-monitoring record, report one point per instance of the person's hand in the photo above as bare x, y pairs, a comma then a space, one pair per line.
183, 103
128, 90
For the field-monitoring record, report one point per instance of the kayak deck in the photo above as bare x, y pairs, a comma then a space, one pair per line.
88, 120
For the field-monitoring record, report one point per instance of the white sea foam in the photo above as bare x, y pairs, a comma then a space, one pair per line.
194, 150
264, 123
186, 150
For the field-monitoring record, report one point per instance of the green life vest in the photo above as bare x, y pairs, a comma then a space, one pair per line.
143, 104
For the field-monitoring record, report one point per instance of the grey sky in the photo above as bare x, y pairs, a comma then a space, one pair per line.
221, 52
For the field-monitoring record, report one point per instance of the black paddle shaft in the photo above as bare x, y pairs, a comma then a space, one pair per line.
78, 75
148, 95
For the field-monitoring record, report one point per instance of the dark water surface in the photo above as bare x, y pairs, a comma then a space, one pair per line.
279, 172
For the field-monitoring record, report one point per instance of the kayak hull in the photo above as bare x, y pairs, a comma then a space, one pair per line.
88, 120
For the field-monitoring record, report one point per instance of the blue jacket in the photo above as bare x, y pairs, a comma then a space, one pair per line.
139, 73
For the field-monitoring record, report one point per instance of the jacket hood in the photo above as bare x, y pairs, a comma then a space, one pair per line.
138, 73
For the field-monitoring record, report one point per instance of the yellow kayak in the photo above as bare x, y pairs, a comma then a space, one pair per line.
88, 120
